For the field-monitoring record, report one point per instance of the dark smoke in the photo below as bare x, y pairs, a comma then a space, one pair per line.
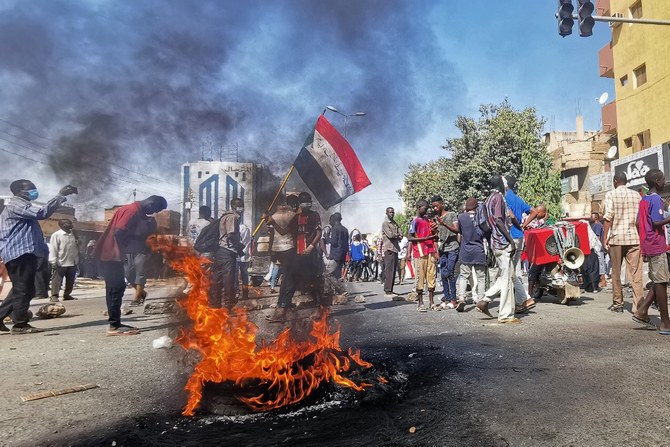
145, 84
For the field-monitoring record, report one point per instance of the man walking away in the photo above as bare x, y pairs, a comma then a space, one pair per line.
651, 225
622, 240
472, 257
119, 239
423, 252
503, 248
64, 258
21, 243
391, 236
448, 251
223, 289
339, 244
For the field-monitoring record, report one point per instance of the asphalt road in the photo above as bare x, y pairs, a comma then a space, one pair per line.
577, 375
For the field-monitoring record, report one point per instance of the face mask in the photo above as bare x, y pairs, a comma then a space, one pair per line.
33, 194
305, 206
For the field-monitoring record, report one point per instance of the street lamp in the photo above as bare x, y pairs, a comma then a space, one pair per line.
345, 115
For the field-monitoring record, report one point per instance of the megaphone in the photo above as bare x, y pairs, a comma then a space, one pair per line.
573, 258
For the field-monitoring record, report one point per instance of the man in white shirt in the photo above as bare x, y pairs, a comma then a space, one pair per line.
63, 258
195, 226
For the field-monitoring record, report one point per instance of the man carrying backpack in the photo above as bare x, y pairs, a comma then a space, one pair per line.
223, 288
503, 248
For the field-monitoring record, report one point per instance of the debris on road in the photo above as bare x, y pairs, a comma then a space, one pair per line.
162, 342
161, 307
51, 310
53, 393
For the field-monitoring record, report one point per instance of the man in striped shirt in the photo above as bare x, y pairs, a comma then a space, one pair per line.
21, 243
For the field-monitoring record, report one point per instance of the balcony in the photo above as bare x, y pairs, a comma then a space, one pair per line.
608, 112
606, 61
603, 7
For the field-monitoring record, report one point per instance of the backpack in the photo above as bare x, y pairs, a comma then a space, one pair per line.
481, 221
208, 239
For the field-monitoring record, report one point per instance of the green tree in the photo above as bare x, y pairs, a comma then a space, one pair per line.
501, 141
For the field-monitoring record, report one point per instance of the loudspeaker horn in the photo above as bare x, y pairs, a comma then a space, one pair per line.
573, 258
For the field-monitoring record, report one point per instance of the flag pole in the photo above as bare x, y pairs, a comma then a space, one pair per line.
283, 183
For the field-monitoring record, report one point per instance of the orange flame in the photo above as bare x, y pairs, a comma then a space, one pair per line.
285, 370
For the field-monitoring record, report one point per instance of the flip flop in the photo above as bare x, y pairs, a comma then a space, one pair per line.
646, 323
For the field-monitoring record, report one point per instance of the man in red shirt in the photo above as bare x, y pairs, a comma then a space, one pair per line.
422, 236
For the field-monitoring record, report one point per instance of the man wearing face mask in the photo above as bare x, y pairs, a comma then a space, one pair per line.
125, 234
64, 258
224, 281
308, 237
21, 243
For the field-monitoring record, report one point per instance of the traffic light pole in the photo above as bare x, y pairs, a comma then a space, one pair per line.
628, 20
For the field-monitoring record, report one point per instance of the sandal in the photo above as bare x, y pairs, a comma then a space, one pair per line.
422, 308
460, 307
646, 323
122, 330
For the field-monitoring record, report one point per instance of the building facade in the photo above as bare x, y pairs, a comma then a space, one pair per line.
638, 61
216, 183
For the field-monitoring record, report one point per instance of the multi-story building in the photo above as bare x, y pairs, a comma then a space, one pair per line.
578, 156
215, 183
638, 61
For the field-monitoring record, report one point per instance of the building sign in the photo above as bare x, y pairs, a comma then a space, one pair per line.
569, 184
637, 165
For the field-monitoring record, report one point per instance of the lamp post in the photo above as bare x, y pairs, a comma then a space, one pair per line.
345, 115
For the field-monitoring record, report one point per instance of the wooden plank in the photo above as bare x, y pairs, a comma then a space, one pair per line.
53, 393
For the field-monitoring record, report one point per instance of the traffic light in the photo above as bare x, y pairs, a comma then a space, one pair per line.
586, 20
564, 16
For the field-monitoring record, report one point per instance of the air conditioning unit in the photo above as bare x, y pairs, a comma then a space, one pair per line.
616, 24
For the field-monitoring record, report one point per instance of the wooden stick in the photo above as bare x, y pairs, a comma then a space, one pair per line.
283, 183
45, 394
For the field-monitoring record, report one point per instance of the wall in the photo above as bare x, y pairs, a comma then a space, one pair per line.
645, 107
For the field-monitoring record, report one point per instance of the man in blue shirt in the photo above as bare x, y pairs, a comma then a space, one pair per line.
21, 243
517, 207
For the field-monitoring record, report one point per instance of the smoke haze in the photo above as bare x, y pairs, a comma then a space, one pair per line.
104, 90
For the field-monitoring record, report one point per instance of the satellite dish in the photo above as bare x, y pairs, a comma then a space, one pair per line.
603, 98
611, 153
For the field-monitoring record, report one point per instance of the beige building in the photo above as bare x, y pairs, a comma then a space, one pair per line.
638, 61
579, 157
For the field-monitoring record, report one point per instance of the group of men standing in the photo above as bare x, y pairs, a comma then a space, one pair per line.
441, 239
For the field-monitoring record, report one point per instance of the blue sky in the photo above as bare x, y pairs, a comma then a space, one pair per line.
103, 90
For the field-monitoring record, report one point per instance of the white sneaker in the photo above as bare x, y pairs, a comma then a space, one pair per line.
450, 305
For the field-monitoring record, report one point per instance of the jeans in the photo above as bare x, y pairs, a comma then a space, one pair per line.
448, 262
115, 287
520, 294
135, 268
224, 279
602, 268
479, 272
275, 274
42, 278
21, 271
390, 269
289, 282
507, 274
57, 275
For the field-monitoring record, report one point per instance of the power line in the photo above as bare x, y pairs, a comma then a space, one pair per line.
120, 177
52, 141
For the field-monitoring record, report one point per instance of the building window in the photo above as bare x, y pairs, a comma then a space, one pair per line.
244, 176
644, 139
624, 80
199, 174
206, 172
636, 10
628, 142
640, 75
